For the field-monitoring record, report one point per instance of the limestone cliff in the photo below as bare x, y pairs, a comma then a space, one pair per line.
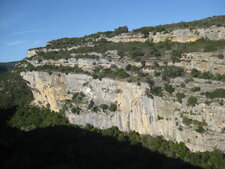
130, 80
135, 110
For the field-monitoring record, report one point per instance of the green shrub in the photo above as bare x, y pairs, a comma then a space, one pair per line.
195, 73
133, 68
128, 67
159, 118
157, 91
148, 93
200, 129
122, 29
187, 121
95, 109
121, 74
97, 69
155, 52
182, 85
150, 82
169, 88
207, 75
104, 106
220, 77
189, 79
136, 53
176, 55
180, 96
192, 101
91, 104
208, 82
113, 107
78, 97
172, 72
195, 89
76, 110
106, 72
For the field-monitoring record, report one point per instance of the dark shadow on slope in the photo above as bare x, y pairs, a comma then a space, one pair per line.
6, 114
66, 147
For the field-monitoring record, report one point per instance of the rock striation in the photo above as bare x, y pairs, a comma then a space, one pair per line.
179, 35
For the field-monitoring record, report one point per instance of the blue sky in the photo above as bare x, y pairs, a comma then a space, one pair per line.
27, 24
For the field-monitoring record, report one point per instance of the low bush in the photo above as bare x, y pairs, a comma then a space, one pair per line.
180, 96
113, 107
192, 101
157, 91
172, 72
104, 107
200, 129
121, 74
195, 89
76, 110
176, 55
169, 88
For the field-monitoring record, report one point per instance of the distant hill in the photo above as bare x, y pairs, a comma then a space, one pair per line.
6, 66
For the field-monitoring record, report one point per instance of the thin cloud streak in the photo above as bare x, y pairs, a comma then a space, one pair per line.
25, 32
15, 43
37, 42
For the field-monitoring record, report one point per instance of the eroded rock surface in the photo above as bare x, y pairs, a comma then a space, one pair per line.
135, 111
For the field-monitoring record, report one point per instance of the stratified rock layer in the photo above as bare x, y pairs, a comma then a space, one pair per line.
135, 111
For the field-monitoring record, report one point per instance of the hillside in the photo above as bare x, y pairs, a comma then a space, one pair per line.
6, 66
164, 81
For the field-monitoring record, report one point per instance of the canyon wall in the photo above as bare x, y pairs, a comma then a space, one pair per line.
135, 111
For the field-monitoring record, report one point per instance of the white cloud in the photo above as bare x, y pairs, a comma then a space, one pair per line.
16, 42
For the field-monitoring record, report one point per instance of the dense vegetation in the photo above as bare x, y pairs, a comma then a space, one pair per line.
218, 93
30, 117
14, 90
4, 67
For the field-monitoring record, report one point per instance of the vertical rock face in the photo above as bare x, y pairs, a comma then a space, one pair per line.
135, 111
